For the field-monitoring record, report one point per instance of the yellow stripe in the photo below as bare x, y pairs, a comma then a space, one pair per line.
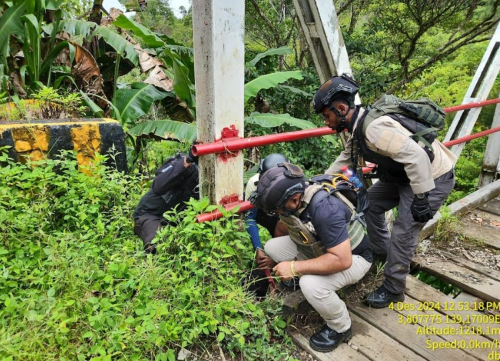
86, 141
32, 142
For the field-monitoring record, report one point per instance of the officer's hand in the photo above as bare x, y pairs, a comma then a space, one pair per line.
283, 270
191, 158
264, 261
421, 210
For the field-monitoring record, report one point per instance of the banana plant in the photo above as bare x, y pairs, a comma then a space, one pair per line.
21, 34
178, 59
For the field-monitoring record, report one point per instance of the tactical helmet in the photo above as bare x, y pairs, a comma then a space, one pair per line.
277, 185
338, 87
272, 160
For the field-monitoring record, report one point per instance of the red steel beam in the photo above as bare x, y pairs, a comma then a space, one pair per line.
246, 205
471, 136
483, 103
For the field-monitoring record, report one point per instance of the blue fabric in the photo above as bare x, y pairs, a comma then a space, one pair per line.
253, 229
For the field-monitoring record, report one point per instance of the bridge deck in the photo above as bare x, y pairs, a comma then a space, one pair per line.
430, 325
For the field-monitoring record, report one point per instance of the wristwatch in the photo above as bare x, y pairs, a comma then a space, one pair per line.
421, 195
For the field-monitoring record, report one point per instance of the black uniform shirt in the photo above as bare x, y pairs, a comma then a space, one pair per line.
173, 185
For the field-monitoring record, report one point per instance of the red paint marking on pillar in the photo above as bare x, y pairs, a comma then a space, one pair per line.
230, 132
229, 199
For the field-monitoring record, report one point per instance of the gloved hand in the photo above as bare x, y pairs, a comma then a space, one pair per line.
191, 158
421, 210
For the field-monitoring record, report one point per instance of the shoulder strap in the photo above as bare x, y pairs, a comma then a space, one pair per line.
308, 195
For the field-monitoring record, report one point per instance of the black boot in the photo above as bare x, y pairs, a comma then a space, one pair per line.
327, 340
381, 298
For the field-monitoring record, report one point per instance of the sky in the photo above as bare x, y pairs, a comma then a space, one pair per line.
174, 4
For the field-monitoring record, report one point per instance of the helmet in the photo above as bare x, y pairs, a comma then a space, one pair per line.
338, 87
272, 160
277, 185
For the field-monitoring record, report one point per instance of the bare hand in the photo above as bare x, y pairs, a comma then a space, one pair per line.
283, 270
264, 261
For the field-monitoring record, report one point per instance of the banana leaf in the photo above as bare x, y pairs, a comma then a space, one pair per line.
136, 101
166, 129
295, 90
274, 51
182, 81
11, 24
73, 27
147, 36
119, 43
269, 120
88, 29
267, 81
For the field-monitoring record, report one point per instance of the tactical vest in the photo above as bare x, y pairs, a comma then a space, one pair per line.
304, 235
421, 117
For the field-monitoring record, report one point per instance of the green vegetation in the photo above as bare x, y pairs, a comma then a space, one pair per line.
76, 284
439, 284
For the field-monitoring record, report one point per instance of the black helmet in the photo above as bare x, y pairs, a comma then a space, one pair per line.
272, 160
338, 87
277, 185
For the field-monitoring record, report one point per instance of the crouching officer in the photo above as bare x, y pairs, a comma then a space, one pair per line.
257, 216
318, 247
175, 182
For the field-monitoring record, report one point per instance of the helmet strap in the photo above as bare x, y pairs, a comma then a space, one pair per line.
287, 212
342, 125
343, 122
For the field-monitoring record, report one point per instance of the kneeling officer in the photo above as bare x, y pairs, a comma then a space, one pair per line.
318, 249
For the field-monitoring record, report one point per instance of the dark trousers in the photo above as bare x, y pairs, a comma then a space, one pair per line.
401, 242
146, 227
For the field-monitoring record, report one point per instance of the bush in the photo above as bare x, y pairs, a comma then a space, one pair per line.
76, 284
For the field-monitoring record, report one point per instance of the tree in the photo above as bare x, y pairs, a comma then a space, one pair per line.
157, 16
183, 11
424, 32
273, 24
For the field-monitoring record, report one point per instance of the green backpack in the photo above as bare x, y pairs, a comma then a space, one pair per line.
424, 111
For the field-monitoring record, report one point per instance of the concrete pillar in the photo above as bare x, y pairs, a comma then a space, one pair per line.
218, 31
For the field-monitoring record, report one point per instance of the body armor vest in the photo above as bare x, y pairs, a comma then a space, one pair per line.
388, 169
304, 235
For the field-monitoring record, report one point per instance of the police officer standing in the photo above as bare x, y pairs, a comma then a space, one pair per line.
409, 180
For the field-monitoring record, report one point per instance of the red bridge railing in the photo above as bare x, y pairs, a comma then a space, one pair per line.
235, 144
